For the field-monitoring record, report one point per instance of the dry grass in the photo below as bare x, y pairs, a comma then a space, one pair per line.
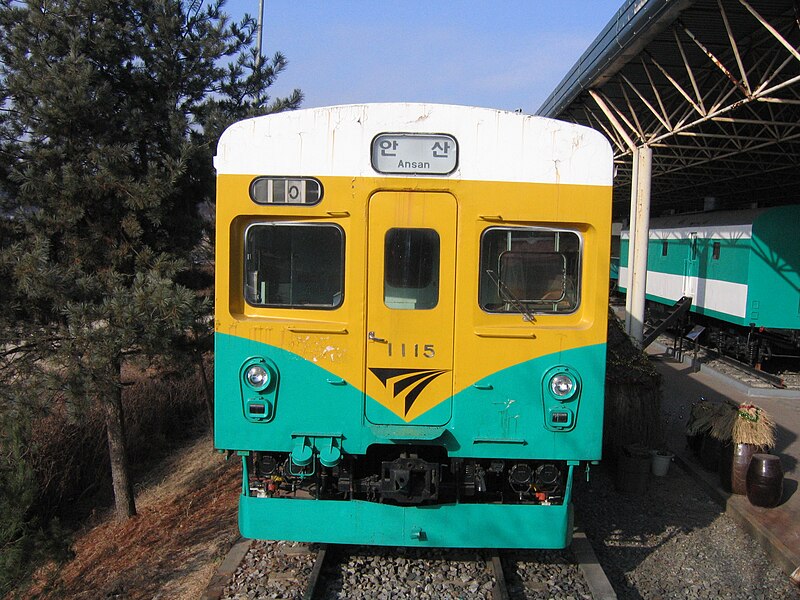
753, 425
722, 422
69, 446
633, 394
186, 524
701, 417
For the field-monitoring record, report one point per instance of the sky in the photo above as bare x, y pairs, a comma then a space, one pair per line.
494, 53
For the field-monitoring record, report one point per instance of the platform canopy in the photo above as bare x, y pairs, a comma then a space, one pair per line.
711, 86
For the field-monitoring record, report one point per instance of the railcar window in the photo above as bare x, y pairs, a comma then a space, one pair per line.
664, 247
411, 269
524, 269
294, 265
715, 250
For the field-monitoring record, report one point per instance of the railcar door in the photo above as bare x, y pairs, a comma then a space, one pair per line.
410, 308
690, 268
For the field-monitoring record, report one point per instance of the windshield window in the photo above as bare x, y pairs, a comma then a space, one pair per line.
294, 265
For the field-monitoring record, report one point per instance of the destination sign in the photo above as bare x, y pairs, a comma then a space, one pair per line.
415, 153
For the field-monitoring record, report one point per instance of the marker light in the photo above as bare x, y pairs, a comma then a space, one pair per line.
284, 190
562, 386
257, 377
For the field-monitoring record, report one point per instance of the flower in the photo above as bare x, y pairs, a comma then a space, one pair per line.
751, 412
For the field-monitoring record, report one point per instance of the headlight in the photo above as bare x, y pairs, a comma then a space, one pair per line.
562, 386
257, 377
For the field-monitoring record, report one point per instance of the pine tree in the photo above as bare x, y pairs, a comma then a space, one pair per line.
109, 111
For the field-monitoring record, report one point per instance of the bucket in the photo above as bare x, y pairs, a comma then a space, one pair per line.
765, 480
659, 462
633, 470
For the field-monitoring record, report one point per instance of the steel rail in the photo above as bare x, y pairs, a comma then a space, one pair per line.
771, 379
716, 354
500, 589
316, 571
599, 585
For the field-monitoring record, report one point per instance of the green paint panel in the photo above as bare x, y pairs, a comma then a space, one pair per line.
508, 420
502, 419
768, 263
732, 264
308, 399
774, 290
449, 525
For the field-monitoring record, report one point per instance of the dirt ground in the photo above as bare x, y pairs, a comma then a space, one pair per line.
185, 525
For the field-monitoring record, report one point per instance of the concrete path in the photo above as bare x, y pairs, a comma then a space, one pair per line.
777, 529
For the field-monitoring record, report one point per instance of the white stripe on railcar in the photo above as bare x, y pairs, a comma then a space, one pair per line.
711, 294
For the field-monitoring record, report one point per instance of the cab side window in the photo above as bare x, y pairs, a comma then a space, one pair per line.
529, 270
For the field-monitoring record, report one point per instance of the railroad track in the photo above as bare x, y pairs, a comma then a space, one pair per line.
321, 572
773, 380
715, 354
312, 590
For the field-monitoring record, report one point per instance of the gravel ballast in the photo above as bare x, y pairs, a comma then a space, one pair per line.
670, 542
673, 541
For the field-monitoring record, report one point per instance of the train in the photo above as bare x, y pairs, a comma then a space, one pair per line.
410, 322
741, 269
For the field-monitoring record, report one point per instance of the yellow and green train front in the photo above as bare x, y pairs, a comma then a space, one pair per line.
382, 371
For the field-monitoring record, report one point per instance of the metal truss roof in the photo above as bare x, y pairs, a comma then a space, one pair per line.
712, 86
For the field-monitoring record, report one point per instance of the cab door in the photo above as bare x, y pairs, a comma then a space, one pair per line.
410, 308
690, 268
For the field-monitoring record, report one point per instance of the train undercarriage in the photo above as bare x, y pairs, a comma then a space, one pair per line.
757, 347
409, 476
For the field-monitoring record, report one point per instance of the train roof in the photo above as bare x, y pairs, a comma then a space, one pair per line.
706, 219
712, 223
493, 145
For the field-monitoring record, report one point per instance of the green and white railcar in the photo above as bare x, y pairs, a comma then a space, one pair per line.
740, 267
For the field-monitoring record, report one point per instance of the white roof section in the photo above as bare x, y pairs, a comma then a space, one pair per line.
729, 224
493, 145
716, 232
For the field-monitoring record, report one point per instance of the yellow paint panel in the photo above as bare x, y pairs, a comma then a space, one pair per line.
410, 327
486, 343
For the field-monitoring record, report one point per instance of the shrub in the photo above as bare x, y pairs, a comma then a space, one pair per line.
24, 537
54, 463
